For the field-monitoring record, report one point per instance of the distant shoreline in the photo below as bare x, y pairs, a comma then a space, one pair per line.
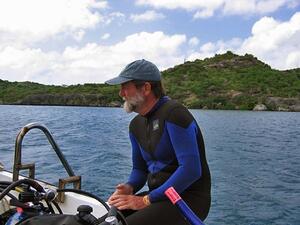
223, 82
105, 106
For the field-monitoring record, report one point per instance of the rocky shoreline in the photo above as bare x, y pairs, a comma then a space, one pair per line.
279, 104
94, 100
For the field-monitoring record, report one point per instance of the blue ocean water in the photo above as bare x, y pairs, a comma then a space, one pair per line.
253, 156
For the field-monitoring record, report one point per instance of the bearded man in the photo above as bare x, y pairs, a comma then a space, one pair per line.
167, 151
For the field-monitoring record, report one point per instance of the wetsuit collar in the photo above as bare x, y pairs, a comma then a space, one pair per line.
159, 103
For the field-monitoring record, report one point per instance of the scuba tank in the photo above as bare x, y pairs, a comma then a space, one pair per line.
16, 218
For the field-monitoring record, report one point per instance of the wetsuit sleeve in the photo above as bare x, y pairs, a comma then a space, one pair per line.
138, 176
182, 131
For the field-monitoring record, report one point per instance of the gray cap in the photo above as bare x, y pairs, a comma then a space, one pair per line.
137, 70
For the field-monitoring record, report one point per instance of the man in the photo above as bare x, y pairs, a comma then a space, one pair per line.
167, 150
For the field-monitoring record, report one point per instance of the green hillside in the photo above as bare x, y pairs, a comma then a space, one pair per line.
29, 93
226, 81
230, 81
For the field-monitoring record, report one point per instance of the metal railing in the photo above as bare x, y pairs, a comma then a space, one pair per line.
31, 167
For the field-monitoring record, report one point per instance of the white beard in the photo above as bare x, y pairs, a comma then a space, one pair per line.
132, 103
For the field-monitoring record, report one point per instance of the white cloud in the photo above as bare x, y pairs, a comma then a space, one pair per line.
31, 62
269, 5
78, 35
205, 9
274, 42
184, 4
193, 41
206, 13
115, 16
105, 36
239, 7
31, 24
293, 59
99, 4
149, 15
34, 20
91, 63
210, 49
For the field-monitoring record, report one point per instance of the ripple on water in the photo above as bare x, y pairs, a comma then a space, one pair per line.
253, 156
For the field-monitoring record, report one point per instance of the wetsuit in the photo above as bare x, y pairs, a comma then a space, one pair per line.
168, 150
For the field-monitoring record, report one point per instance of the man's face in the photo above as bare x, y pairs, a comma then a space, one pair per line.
132, 96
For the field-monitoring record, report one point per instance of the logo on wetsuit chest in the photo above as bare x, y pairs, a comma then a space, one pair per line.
155, 124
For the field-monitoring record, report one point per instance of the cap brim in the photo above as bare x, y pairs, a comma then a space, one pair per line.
117, 80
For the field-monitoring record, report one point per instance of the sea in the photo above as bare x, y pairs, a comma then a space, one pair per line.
254, 157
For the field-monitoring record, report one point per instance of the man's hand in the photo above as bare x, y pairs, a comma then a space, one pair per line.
127, 202
122, 189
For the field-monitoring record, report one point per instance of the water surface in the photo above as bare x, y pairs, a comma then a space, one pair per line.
253, 156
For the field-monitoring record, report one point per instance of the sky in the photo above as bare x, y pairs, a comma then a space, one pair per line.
66, 42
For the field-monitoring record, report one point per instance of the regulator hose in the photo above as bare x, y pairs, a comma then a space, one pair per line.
121, 216
5, 183
30, 182
112, 215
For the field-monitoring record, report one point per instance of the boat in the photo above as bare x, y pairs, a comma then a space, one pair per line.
39, 199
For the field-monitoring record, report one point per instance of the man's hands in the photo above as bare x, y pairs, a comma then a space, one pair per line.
127, 202
123, 189
123, 198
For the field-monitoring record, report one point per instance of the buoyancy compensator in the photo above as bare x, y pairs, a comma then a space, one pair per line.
83, 217
35, 213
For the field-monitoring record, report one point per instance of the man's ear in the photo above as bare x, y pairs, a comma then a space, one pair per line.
147, 88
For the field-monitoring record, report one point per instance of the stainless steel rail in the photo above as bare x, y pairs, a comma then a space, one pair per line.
18, 151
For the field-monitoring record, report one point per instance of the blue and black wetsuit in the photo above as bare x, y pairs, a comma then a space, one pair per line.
168, 150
